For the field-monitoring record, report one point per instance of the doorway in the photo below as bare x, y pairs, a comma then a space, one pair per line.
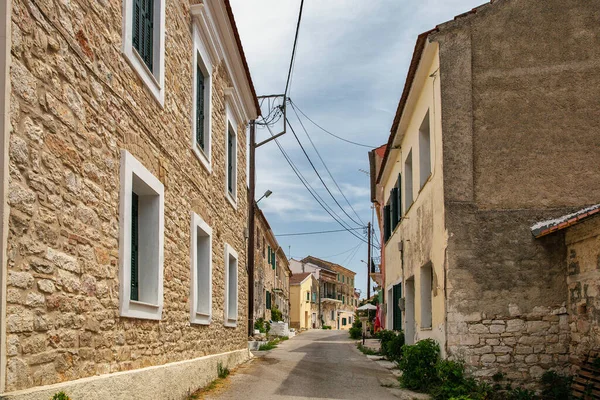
409, 313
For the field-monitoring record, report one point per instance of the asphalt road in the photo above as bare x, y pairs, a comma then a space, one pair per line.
317, 364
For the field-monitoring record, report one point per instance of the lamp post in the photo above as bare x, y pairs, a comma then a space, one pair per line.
267, 194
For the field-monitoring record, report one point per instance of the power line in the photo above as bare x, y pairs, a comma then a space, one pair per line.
343, 252
325, 165
315, 195
317, 232
351, 256
332, 134
319, 175
289, 77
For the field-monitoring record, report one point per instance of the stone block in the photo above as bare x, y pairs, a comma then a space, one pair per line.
523, 349
515, 325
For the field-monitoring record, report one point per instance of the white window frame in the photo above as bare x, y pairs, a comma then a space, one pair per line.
230, 121
197, 317
131, 167
231, 322
154, 80
201, 58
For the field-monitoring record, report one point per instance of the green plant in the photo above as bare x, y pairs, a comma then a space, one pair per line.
326, 327
267, 346
556, 386
393, 347
461, 398
276, 314
596, 363
498, 377
60, 396
222, 371
418, 364
355, 333
520, 394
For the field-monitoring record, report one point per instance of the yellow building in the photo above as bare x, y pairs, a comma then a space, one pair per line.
303, 301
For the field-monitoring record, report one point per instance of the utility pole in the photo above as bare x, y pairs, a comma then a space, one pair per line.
251, 229
251, 207
369, 261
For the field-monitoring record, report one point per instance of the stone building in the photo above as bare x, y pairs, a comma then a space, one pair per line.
271, 272
581, 234
304, 304
336, 302
124, 197
495, 130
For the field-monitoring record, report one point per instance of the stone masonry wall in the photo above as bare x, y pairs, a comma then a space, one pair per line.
264, 276
75, 103
519, 345
583, 261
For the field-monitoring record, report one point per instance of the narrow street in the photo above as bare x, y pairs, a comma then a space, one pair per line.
317, 364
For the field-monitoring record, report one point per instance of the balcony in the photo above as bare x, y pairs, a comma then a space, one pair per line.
330, 297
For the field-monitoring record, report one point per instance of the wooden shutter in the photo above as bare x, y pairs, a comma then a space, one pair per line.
134, 247
230, 162
200, 108
143, 30
399, 186
386, 223
397, 314
394, 216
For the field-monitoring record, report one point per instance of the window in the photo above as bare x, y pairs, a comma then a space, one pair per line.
307, 296
268, 300
264, 248
343, 321
231, 281
201, 271
332, 315
201, 121
396, 312
231, 161
144, 42
424, 150
141, 238
426, 295
387, 231
408, 182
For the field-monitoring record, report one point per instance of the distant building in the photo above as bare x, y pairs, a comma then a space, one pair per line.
271, 272
336, 296
304, 291
497, 128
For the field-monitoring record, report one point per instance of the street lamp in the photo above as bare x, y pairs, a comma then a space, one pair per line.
267, 194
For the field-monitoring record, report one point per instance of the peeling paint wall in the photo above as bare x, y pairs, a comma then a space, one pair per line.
421, 229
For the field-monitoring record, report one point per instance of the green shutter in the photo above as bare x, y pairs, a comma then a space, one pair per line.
200, 108
399, 193
268, 300
143, 30
230, 161
394, 216
386, 223
397, 314
134, 247
269, 256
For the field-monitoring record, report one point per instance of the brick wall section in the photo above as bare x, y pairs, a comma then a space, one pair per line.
75, 103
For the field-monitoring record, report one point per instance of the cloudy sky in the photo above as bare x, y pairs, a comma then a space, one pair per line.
351, 64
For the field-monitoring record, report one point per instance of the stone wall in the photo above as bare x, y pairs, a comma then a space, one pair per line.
511, 96
519, 345
583, 260
75, 103
264, 276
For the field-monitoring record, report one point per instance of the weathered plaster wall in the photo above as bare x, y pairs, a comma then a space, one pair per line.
583, 261
520, 137
75, 103
422, 227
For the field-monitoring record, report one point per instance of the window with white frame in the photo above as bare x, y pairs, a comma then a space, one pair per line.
408, 182
231, 158
141, 238
231, 286
201, 121
201, 271
424, 150
144, 42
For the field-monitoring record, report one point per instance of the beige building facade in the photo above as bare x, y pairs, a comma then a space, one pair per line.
335, 297
461, 183
124, 197
304, 290
271, 272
